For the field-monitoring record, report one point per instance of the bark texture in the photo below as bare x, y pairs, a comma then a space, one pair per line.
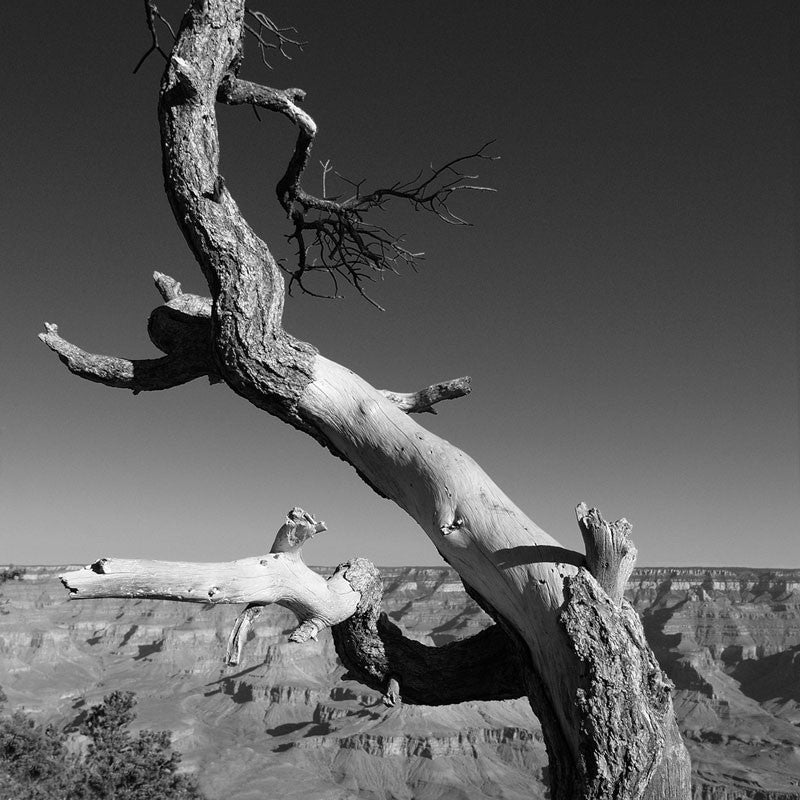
604, 706
255, 356
623, 699
375, 652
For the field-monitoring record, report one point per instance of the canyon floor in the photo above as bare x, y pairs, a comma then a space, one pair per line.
284, 725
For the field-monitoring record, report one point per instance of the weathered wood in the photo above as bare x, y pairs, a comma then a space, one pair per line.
296, 531
424, 400
138, 375
610, 553
375, 651
624, 697
180, 328
167, 287
506, 559
238, 635
481, 667
672, 779
255, 356
278, 577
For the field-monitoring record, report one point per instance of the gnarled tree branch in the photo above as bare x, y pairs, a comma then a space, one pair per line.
143, 375
279, 577
256, 357
234, 91
181, 328
332, 235
482, 667
375, 651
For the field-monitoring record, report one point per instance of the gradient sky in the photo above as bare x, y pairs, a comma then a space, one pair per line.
626, 303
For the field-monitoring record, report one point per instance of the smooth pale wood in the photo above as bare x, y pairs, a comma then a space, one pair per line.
238, 635
280, 578
501, 553
296, 531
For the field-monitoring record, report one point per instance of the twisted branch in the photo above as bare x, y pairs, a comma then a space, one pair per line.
332, 235
181, 328
270, 36
138, 375
375, 651
279, 577
485, 666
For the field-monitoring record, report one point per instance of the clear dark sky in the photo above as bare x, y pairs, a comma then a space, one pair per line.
626, 303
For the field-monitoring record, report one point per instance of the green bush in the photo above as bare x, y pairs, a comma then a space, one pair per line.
36, 763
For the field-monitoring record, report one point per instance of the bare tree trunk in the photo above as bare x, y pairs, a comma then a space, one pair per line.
603, 702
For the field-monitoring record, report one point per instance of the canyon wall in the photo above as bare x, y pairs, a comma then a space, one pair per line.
284, 725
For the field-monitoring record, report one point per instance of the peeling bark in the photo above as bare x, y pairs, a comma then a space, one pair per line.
482, 667
623, 698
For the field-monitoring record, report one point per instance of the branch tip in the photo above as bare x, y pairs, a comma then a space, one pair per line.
610, 552
167, 287
305, 631
99, 566
296, 531
392, 696
239, 634
423, 400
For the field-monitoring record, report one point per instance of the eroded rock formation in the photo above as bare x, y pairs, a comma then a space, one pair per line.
728, 638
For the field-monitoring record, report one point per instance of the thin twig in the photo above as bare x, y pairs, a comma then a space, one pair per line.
151, 15
345, 244
270, 36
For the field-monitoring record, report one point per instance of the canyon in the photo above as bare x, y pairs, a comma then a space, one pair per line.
285, 724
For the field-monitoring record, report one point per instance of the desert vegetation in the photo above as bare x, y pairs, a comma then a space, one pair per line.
95, 758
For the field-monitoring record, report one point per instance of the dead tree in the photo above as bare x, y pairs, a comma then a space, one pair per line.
563, 637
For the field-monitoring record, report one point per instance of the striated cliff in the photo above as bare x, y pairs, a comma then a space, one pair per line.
284, 725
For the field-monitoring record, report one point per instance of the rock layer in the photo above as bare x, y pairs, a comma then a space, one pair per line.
283, 724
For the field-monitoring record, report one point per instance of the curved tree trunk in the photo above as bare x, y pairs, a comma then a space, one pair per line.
603, 702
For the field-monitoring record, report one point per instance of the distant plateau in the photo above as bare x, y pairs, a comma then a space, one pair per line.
284, 725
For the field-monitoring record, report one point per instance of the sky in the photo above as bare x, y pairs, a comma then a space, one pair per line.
626, 302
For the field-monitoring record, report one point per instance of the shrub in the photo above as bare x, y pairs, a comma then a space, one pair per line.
36, 764
11, 573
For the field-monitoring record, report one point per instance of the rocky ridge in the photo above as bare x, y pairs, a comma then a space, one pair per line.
284, 725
